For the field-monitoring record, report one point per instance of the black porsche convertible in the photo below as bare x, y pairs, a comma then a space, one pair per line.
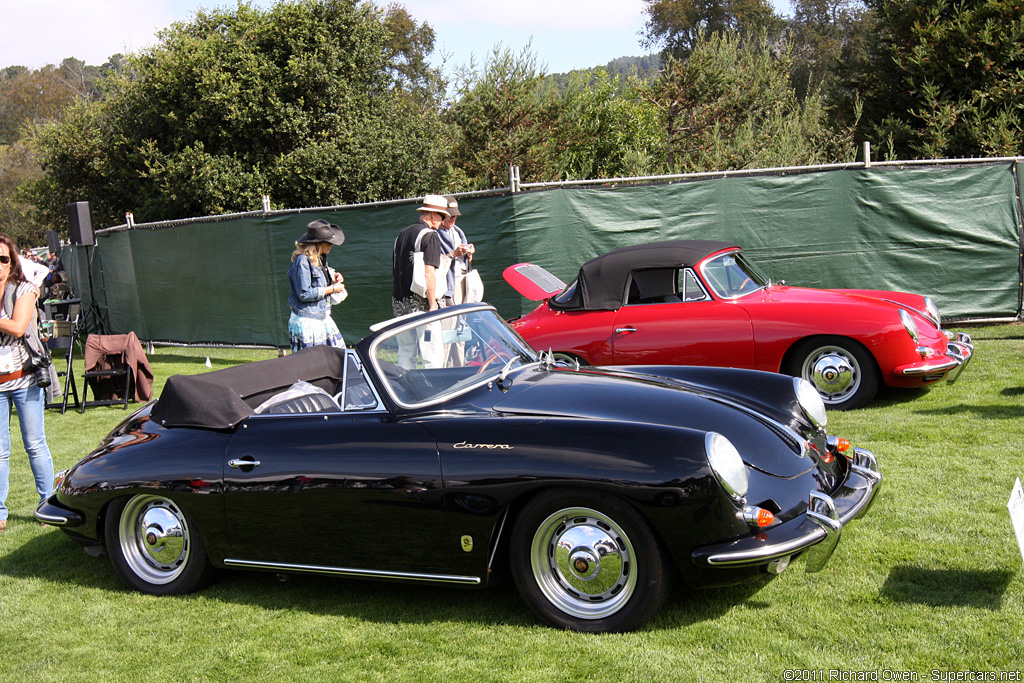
593, 486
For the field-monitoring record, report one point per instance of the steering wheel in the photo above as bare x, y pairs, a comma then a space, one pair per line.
497, 355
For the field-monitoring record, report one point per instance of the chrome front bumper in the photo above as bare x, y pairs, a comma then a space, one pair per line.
53, 513
816, 532
963, 350
958, 354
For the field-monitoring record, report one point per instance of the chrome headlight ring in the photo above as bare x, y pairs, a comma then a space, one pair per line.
933, 311
810, 402
909, 324
727, 465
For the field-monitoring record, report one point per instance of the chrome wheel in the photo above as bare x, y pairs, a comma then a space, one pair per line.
154, 539
843, 372
583, 563
588, 561
833, 371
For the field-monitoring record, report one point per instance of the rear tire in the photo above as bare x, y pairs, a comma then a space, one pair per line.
588, 561
155, 547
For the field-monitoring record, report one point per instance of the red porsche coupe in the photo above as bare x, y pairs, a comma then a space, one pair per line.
704, 303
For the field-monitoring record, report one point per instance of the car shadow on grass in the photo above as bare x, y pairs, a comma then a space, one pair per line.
979, 588
51, 556
996, 411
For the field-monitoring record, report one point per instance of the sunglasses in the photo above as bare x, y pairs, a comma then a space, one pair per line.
4, 259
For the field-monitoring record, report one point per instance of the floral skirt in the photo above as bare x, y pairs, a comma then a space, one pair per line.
303, 332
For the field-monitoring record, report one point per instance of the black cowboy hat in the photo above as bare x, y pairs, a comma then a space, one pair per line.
322, 231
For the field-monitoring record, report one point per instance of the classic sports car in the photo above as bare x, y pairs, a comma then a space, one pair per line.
594, 487
704, 303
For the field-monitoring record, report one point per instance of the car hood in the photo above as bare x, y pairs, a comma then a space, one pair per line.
602, 394
798, 295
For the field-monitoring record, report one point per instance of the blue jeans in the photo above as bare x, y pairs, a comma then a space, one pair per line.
29, 402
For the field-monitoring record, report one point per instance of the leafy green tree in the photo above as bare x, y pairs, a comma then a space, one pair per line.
730, 105
824, 35
304, 102
497, 113
31, 96
675, 25
945, 78
18, 167
598, 127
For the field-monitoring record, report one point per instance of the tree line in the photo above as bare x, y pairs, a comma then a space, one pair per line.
330, 102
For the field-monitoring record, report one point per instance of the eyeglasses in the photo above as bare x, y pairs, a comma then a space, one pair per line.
4, 259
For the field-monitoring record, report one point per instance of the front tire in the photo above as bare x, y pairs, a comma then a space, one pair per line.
842, 371
154, 546
587, 561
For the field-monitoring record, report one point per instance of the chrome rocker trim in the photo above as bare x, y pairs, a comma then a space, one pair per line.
817, 531
361, 573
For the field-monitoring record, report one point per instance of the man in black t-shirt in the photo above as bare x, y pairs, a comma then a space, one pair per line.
420, 236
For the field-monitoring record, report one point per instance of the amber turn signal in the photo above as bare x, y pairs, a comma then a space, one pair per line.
758, 517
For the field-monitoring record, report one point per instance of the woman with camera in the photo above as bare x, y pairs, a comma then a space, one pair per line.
18, 386
314, 287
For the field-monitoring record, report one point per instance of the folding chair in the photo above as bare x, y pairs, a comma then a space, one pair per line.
112, 377
65, 343
62, 335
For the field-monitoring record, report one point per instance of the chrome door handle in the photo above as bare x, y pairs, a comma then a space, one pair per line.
625, 330
247, 461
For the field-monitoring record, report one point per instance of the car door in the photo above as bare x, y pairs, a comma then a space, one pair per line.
355, 489
670, 319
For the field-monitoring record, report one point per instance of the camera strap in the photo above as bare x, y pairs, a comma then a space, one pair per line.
31, 339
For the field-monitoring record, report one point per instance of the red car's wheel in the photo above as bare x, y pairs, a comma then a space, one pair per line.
154, 547
840, 369
587, 561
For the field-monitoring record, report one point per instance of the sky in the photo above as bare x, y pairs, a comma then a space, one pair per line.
562, 34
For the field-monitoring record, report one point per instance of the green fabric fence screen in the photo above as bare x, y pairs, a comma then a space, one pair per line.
952, 232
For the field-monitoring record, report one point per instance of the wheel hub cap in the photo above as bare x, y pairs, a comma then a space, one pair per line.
593, 564
832, 374
163, 538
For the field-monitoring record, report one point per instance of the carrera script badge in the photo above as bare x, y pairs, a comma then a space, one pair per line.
484, 446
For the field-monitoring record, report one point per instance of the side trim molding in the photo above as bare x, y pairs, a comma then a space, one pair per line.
361, 573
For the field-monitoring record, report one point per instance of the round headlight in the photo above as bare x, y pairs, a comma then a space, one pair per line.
727, 465
810, 401
908, 322
933, 311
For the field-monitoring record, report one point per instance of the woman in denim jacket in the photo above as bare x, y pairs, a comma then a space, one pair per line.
310, 323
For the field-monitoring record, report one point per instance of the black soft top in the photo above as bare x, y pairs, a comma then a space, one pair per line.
602, 282
222, 399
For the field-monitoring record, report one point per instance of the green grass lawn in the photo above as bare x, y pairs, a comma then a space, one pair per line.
928, 583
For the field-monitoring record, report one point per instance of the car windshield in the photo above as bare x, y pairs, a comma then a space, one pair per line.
731, 275
431, 361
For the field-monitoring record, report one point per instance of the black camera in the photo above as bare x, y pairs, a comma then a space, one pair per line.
41, 371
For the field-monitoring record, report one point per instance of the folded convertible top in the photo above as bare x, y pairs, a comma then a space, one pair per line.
222, 399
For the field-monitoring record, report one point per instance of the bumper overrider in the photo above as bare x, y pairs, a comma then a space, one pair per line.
959, 352
814, 533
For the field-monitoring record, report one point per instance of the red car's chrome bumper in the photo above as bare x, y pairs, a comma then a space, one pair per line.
817, 531
958, 354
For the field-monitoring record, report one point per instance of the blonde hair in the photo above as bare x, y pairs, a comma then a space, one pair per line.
310, 250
